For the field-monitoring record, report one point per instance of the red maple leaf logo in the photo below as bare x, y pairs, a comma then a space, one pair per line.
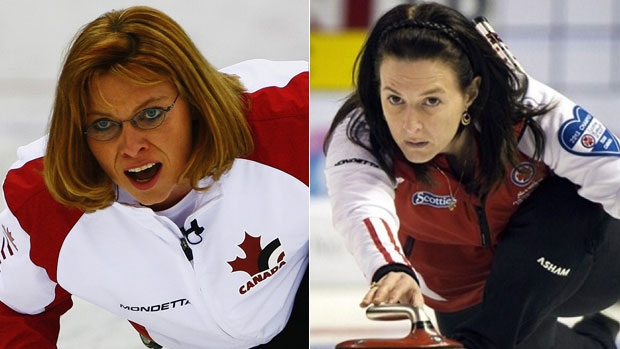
252, 249
7, 233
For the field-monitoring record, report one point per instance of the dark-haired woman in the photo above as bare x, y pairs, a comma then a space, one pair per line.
461, 183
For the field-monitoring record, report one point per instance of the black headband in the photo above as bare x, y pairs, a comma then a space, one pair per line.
447, 32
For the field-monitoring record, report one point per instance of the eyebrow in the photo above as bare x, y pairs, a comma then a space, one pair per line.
137, 109
430, 91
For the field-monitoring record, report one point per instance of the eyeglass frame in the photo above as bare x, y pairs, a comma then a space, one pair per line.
132, 121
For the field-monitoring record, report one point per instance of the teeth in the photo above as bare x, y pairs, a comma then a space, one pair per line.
142, 168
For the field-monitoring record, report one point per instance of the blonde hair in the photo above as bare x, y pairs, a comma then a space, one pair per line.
147, 47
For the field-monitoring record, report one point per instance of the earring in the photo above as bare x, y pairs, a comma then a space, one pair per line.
465, 118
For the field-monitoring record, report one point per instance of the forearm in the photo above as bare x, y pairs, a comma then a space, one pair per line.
362, 200
38, 331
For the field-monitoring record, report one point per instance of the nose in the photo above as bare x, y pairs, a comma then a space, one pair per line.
411, 121
132, 141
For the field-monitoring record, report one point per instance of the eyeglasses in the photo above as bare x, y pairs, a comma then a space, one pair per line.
147, 119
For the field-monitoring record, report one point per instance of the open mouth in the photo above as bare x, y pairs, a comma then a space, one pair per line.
144, 173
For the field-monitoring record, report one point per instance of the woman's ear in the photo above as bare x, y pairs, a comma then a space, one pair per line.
471, 92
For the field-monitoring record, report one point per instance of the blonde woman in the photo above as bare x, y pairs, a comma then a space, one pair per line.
167, 192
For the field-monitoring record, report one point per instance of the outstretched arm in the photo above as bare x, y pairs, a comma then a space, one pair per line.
363, 211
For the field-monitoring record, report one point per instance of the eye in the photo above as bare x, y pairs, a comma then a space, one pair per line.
103, 124
392, 99
151, 114
432, 101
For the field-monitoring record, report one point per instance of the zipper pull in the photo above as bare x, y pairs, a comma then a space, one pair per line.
186, 249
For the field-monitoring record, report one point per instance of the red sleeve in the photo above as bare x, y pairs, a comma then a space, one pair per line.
47, 223
279, 120
33, 331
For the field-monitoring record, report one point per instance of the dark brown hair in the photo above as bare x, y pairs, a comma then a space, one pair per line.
434, 31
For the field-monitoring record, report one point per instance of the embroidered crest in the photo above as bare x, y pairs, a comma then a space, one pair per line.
523, 174
259, 263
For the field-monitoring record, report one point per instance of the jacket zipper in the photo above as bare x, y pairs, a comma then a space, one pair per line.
485, 235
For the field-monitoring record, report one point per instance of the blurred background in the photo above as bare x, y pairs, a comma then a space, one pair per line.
34, 36
571, 45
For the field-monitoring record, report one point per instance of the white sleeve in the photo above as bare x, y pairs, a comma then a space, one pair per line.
258, 73
577, 147
24, 286
362, 200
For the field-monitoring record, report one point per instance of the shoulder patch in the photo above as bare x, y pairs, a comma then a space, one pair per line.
584, 135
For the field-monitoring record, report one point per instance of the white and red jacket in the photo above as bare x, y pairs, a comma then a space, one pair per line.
248, 236
380, 220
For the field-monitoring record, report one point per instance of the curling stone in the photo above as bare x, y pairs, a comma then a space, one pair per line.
422, 336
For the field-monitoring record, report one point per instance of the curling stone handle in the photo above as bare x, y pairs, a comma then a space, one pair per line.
396, 312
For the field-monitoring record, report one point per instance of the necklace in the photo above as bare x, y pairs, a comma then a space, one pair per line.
453, 201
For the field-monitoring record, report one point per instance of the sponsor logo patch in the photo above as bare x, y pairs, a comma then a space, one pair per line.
586, 136
552, 268
156, 307
356, 161
430, 199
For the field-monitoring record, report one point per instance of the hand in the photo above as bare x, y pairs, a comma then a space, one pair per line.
394, 287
